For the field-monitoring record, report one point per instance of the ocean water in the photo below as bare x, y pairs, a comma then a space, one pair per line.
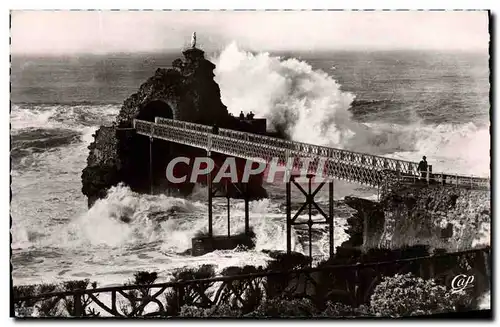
401, 104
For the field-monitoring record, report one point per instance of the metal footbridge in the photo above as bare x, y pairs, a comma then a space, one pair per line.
362, 168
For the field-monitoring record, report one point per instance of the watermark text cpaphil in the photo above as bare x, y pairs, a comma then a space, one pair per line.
185, 169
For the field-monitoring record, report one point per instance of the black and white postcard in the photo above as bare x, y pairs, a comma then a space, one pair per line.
250, 164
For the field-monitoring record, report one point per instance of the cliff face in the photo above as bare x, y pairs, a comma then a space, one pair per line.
185, 92
103, 163
444, 216
439, 216
366, 225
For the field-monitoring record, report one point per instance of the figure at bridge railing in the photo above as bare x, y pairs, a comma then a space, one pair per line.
422, 168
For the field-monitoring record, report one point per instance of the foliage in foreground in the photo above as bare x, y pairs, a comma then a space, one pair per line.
406, 295
400, 295
52, 307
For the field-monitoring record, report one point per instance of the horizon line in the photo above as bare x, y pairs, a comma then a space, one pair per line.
485, 51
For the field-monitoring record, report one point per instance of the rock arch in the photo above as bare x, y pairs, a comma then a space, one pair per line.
156, 108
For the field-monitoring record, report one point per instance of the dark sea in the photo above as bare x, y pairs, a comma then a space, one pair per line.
401, 104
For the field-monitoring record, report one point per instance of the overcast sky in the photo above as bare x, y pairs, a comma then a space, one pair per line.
37, 32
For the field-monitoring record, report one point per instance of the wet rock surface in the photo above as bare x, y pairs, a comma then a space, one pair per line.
188, 92
438, 216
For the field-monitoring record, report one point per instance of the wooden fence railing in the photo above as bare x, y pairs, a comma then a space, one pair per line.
352, 284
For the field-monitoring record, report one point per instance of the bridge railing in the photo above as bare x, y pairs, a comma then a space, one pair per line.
353, 283
261, 150
407, 167
347, 165
455, 180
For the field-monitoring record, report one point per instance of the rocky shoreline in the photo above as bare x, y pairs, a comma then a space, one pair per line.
442, 217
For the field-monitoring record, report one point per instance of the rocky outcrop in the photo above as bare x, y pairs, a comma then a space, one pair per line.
423, 213
188, 92
185, 92
442, 217
366, 226
103, 164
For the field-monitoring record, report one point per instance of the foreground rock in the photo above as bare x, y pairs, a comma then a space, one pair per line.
442, 217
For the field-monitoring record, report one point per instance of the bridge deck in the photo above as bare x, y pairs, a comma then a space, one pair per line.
351, 166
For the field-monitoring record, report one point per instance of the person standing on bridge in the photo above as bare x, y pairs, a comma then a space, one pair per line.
215, 129
422, 167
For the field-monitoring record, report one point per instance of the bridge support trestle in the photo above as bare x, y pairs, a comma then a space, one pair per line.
215, 191
151, 164
210, 196
309, 204
247, 210
206, 243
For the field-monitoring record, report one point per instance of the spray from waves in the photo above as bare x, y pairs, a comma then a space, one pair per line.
459, 149
450, 148
125, 219
309, 106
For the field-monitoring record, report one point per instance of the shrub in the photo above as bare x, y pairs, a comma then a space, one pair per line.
133, 302
204, 271
48, 307
24, 308
342, 310
276, 285
251, 290
145, 277
403, 295
223, 310
186, 295
74, 285
52, 306
277, 307
282, 307
287, 261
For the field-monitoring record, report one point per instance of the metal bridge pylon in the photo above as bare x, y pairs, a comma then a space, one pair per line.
309, 203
